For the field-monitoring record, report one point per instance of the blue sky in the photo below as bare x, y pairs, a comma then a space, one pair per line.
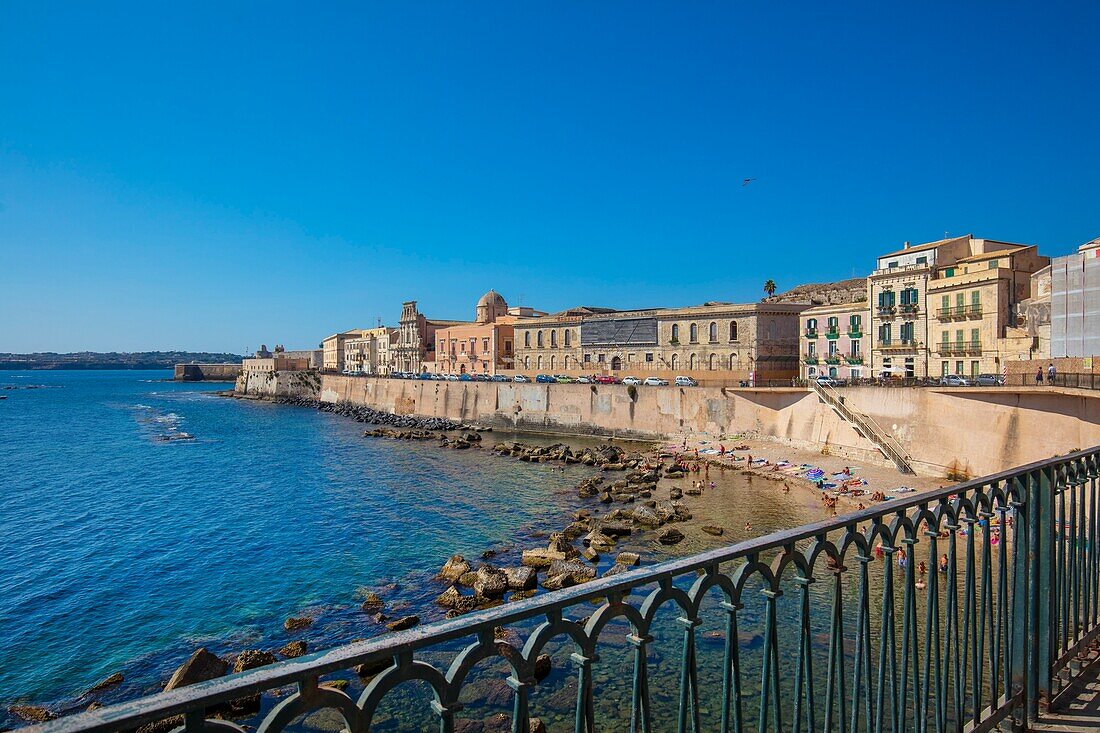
216, 175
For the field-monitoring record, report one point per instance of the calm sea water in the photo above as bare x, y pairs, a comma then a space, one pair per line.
124, 552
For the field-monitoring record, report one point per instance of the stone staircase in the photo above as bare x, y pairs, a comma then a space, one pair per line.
865, 426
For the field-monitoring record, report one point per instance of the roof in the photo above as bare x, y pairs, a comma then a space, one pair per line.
997, 253
492, 297
926, 246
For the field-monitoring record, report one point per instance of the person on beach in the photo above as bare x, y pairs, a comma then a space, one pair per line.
786, 488
748, 527
1039, 377
902, 559
721, 449
944, 563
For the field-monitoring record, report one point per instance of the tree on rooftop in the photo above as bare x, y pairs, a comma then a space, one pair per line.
770, 288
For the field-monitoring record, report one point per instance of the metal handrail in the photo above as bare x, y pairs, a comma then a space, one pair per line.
868, 427
1038, 607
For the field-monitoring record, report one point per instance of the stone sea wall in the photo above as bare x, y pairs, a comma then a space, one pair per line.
958, 432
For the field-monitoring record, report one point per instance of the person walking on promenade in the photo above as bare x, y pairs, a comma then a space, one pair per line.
1050, 374
1039, 377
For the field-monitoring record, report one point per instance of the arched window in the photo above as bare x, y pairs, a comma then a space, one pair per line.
691, 362
733, 330
526, 362
713, 362
713, 332
527, 339
567, 358
552, 360
538, 339
540, 363
675, 332
553, 339
568, 333
693, 333
675, 361
733, 362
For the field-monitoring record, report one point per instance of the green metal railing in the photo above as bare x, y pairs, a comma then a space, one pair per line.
964, 608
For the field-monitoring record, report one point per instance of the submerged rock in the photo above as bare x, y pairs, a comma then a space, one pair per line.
31, 713
712, 529
401, 624
671, 536
294, 649
252, 658
297, 623
113, 680
372, 603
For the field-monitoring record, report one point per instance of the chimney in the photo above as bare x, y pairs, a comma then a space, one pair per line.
906, 244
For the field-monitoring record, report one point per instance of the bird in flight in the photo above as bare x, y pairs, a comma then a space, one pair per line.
747, 181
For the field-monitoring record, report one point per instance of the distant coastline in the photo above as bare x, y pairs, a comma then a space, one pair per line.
85, 360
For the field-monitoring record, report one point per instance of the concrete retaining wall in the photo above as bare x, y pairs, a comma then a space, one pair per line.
957, 431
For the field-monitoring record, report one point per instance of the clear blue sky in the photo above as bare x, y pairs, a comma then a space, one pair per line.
216, 175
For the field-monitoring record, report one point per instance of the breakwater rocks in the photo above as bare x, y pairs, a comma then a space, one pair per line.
363, 414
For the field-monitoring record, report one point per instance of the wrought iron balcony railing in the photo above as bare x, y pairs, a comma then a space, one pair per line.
954, 609
959, 347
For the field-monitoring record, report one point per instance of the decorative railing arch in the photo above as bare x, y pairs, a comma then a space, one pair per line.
1009, 602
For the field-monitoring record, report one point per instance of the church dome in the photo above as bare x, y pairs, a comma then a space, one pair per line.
491, 305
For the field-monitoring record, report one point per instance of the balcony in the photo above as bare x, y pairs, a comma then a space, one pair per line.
974, 310
786, 601
832, 333
832, 359
908, 308
856, 358
855, 333
811, 333
809, 358
897, 345
959, 347
885, 311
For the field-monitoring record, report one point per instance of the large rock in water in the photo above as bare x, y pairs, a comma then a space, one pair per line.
521, 578
31, 713
646, 517
671, 536
454, 568
403, 623
202, 666
539, 558
294, 649
491, 582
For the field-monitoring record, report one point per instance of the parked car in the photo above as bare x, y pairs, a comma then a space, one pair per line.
826, 381
686, 382
425, 375
632, 381
452, 377
498, 378
563, 379
607, 379
990, 380
655, 382
585, 380
464, 377
545, 379
522, 378
954, 380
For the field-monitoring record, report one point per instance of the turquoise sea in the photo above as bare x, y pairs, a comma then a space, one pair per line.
123, 551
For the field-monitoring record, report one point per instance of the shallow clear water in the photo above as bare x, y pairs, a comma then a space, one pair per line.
124, 552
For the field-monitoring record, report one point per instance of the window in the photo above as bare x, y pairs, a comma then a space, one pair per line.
945, 303
733, 330
834, 324
508, 348
733, 361
553, 360
462, 347
975, 336
975, 368
884, 333
832, 348
691, 362
855, 323
538, 339
527, 339
976, 297
959, 300
713, 365
811, 324
540, 363
649, 356
910, 368
553, 339
892, 265
994, 264
944, 368
630, 358
526, 362
675, 333
922, 260
587, 358
907, 332
959, 336
949, 272
675, 361
811, 348
693, 333
958, 367
713, 332
485, 345
856, 349
599, 358
567, 334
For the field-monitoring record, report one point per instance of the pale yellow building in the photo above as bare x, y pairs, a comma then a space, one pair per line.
974, 302
552, 343
905, 329
368, 353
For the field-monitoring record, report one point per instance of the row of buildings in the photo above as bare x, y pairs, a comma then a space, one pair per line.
961, 305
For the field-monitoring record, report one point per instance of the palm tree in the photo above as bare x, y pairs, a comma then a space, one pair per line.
770, 288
